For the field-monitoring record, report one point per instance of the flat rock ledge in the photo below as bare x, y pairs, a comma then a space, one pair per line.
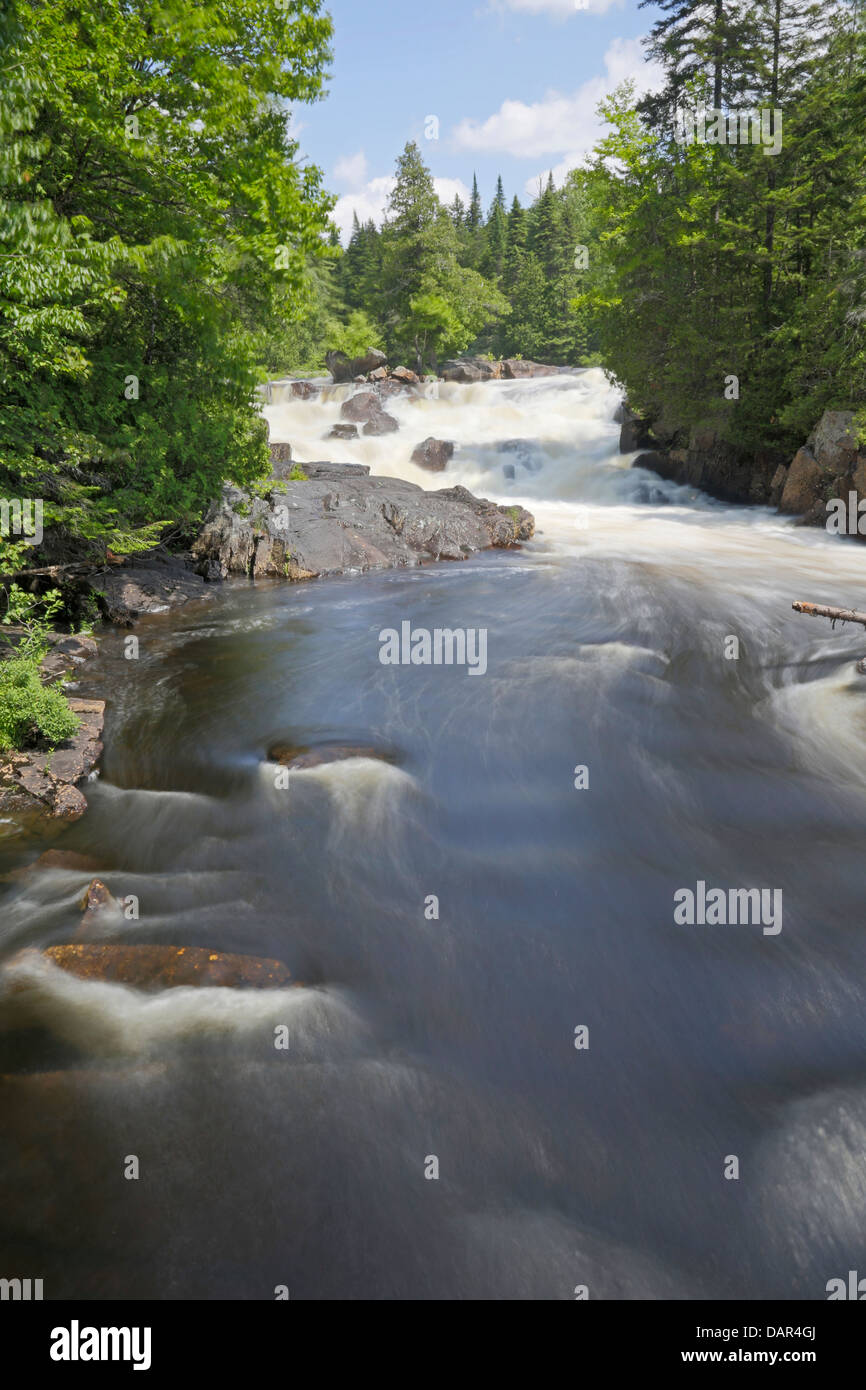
340, 520
35, 786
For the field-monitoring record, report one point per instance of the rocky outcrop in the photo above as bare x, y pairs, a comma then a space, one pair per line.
830, 465
468, 370
150, 583
433, 454
343, 520
343, 368
39, 787
635, 432
517, 368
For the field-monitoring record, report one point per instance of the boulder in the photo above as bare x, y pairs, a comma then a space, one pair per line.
361, 407
280, 452
167, 967
341, 519
305, 390
390, 387
516, 368
802, 484
403, 374
833, 441
380, 423
343, 368
343, 432
380, 374
468, 370
433, 454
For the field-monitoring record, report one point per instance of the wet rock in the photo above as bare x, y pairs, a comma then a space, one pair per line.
404, 375
361, 407
297, 757
802, 484
381, 423
67, 652
379, 374
95, 901
343, 432
343, 368
150, 583
305, 390
167, 967
342, 520
388, 388
433, 454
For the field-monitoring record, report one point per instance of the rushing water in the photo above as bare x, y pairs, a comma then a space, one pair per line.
455, 1038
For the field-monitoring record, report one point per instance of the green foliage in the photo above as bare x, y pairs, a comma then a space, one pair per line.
30, 712
298, 475
156, 229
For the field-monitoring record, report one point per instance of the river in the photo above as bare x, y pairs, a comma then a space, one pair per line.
432, 1130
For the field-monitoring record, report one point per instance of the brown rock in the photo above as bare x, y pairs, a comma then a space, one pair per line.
167, 967
802, 484
777, 485
343, 368
403, 374
360, 407
343, 432
381, 423
433, 454
378, 375
95, 899
305, 390
516, 368
280, 452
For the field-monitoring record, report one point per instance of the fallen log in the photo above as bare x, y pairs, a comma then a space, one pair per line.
836, 615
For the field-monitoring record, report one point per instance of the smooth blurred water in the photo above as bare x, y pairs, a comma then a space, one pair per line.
454, 1038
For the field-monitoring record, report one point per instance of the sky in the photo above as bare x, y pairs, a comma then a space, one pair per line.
489, 87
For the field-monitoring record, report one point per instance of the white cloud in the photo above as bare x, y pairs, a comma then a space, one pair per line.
563, 124
351, 169
558, 9
370, 200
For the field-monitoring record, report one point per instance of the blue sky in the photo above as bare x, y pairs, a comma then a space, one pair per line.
513, 84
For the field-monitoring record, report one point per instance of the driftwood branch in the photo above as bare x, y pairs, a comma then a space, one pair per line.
52, 572
836, 615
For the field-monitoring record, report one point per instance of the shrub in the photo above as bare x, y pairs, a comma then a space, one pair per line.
30, 712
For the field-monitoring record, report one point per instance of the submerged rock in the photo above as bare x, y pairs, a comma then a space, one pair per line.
343, 432
294, 756
167, 967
